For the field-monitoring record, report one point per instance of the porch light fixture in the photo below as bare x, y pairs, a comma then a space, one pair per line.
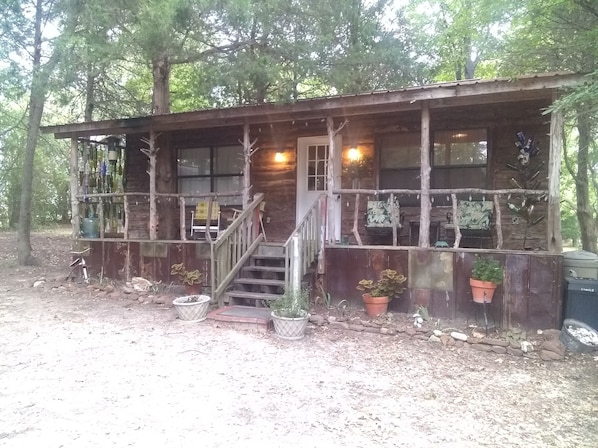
354, 155
279, 157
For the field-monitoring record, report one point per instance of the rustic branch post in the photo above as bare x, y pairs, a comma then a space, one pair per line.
498, 221
183, 227
425, 204
248, 150
127, 214
151, 153
554, 237
332, 133
393, 219
456, 221
356, 221
74, 169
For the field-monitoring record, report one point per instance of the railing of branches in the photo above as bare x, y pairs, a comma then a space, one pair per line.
493, 195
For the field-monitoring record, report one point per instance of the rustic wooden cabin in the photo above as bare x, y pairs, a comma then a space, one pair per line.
333, 190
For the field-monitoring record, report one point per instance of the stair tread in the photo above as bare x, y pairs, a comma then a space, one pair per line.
269, 257
265, 268
253, 295
258, 281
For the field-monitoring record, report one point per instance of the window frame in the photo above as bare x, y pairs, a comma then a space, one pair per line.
212, 176
435, 169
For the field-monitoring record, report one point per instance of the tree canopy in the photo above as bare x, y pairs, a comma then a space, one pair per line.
72, 60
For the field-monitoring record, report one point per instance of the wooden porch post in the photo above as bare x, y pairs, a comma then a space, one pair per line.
151, 154
74, 169
554, 237
424, 226
247, 150
332, 133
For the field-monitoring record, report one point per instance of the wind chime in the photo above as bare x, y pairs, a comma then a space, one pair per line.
528, 179
102, 172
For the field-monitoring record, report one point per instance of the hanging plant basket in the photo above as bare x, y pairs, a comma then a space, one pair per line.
193, 308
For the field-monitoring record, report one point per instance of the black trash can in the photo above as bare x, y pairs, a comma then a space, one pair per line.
581, 300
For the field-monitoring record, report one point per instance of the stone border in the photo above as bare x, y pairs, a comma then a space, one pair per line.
548, 347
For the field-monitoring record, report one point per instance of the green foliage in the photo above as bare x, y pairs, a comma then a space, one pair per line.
389, 284
487, 270
187, 277
291, 303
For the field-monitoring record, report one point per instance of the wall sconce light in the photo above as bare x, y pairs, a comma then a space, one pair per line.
279, 157
354, 155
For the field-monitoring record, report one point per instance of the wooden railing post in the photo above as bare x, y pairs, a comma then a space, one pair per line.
295, 284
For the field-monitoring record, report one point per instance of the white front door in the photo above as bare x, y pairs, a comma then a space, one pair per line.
312, 178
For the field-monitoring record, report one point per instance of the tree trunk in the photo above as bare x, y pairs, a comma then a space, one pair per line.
161, 88
587, 222
36, 108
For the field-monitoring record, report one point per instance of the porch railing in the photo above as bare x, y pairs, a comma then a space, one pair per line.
125, 200
493, 194
305, 244
233, 248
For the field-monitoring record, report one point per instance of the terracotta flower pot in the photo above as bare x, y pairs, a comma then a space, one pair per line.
193, 289
479, 288
375, 306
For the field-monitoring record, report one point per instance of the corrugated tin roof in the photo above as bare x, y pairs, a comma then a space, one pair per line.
378, 101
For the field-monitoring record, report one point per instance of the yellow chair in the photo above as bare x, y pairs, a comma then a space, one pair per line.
199, 218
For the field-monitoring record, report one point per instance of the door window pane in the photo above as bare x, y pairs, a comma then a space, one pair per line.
317, 167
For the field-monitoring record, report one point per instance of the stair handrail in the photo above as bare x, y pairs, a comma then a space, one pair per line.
233, 247
305, 244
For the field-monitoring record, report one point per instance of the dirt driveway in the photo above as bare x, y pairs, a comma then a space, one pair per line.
82, 369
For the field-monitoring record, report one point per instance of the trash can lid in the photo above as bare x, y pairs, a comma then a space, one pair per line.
580, 255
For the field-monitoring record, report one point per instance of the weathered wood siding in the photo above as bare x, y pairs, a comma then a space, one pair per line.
530, 297
152, 260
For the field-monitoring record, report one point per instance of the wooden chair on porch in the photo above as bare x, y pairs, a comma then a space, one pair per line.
199, 219
475, 220
379, 216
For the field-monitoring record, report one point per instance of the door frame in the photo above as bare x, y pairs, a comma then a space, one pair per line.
334, 206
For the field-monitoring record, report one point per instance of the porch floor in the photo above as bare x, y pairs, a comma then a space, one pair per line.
243, 317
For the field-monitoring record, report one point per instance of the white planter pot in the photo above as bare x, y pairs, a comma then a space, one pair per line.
192, 311
290, 328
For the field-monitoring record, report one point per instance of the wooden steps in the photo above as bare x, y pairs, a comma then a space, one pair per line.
262, 280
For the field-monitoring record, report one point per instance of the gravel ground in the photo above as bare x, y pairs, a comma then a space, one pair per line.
83, 369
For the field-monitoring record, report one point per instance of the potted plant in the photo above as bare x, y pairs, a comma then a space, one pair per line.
290, 314
192, 307
486, 274
378, 293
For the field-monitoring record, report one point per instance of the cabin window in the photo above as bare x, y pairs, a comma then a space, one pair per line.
211, 169
400, 164
458, 159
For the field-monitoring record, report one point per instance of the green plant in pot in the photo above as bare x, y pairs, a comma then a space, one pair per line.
192, 280
378, 293
290, 313
486, 275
